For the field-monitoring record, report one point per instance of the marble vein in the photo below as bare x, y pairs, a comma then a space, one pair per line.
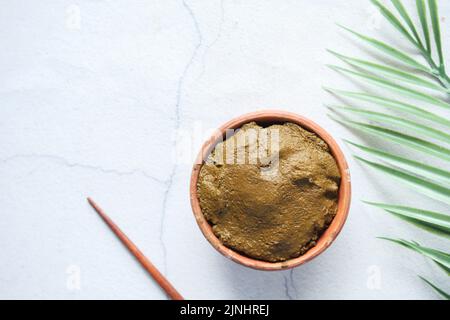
286, 288
288, 284
291, 278
67, 163
180, 87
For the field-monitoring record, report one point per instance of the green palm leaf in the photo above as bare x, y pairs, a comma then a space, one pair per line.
444, 294
432, 221
393, 86
395, 73
429, 180
391, 51
399, 122
402, 11
442, 259
430, 189
426, 171
400, 138
394, 21
393, 104
422, 11
436, 30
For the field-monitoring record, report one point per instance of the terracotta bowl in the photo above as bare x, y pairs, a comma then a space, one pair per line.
270, 117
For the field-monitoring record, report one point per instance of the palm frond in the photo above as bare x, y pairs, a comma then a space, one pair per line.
436, 30
396, 121
404, 14
421, 145
424, 170
422, 12
394, 21
427, 179
428, 188
390, 51
436, 222
441, 292
391, 72
379, 81
392, 104
442, 259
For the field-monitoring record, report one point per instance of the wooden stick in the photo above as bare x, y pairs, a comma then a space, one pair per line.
159, 278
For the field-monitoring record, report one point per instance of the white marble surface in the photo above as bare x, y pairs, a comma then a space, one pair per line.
92, 93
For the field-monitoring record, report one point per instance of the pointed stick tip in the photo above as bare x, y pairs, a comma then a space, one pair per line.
90, 201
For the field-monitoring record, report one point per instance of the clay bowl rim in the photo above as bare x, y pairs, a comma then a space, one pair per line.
330, 234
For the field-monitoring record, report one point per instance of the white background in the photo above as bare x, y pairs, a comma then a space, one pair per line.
92, 93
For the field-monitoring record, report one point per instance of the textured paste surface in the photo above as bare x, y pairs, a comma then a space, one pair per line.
275, 208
